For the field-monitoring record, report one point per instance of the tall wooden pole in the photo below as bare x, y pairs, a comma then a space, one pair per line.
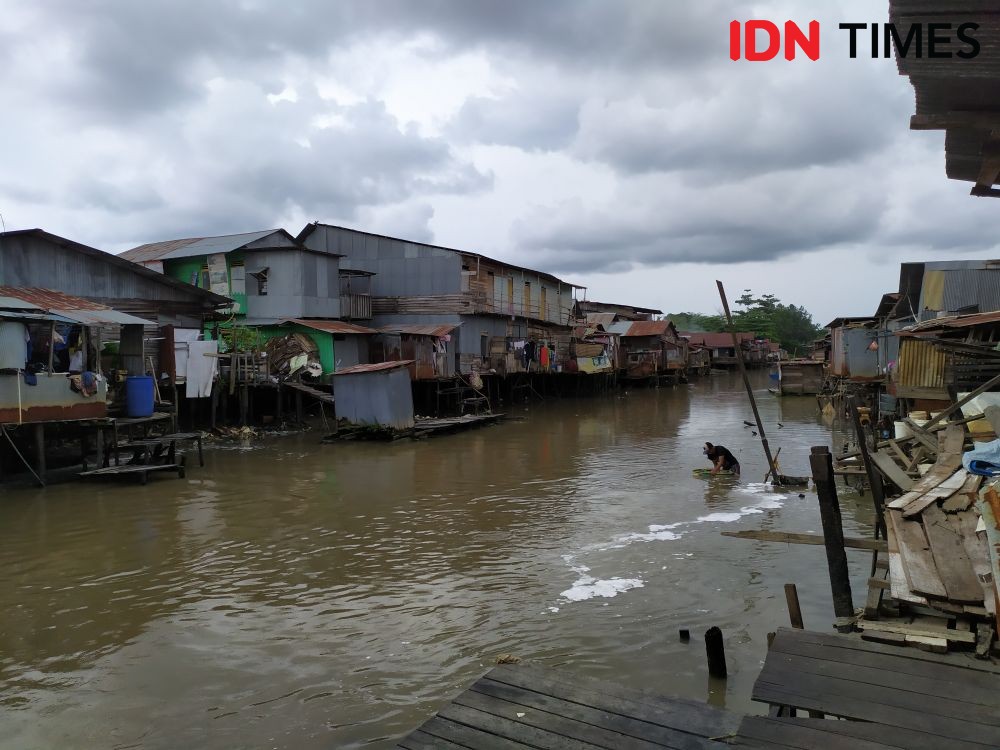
821, 463
776, 477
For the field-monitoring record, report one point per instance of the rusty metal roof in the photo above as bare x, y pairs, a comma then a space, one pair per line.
954, 321
716, 340
77, 309
377, 367
333, 326
637, 328
420, 330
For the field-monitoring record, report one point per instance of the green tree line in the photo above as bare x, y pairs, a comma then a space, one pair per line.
765, 315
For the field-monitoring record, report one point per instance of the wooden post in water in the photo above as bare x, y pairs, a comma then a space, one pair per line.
821, 462
775, 476
716, 651
874, 477
794, 610
40, 449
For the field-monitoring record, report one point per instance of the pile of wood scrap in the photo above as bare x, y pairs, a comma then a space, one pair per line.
282, 350
939, 573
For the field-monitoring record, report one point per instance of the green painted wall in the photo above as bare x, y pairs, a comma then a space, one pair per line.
188, 269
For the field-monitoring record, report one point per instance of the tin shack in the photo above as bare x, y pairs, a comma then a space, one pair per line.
376, 395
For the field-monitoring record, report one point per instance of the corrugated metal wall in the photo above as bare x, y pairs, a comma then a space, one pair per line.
920, 365
967, 288
862, 362
383, 398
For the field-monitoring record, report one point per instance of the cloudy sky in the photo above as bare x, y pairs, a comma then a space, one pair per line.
612, 142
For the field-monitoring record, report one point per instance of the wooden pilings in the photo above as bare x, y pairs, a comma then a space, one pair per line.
715, 649
794, 610
821, 462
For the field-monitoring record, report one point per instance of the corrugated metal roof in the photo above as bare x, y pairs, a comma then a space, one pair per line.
715, 340
334, 326
954, 321
600, 319
76, 309
193, 246
44, 299
420, 330
377, 367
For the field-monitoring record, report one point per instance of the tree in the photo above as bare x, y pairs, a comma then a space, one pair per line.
766, 316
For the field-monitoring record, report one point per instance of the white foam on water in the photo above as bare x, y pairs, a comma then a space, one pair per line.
721, 518
588, 587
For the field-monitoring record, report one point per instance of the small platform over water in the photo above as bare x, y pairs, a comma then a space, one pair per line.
530, 706
859, 695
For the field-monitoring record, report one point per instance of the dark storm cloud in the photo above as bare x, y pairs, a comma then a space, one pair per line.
134, 58
762, 219
151, 119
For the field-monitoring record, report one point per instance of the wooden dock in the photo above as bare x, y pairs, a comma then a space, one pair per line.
529, 706
908, 698
898, 698
427, 427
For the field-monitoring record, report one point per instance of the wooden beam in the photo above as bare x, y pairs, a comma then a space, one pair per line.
789, 537
956, 119
992, 382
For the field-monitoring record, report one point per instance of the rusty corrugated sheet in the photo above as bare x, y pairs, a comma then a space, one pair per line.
420, 330
47, 299
920, 364
333, 326
377, 367
77, 309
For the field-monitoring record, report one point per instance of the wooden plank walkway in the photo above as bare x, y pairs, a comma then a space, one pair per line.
529, 706
927, 700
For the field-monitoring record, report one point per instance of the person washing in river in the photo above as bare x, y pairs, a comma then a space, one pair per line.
721, 458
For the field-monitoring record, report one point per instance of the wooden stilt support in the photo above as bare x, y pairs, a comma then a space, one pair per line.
716, 652
40, 452
821, 462
794, 611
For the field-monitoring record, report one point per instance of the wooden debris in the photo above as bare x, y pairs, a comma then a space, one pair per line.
921, 630
984, 639
928, 643
945, 536
915, 551
800, 538
885, 463
880, 636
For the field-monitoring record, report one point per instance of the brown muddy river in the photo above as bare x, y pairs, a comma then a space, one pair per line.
294, 595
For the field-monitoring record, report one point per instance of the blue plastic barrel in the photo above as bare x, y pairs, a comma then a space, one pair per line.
139, 396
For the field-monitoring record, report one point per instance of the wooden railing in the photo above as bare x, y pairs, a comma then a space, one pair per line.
356, 306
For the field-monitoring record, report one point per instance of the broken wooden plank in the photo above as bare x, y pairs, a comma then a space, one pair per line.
921, 435
964, 498
789, 537
922, 631
987, 509
928, 643
887, 465
984, 639
880, 636
946, 489
945, 536
948, 462
900, 586
918, 562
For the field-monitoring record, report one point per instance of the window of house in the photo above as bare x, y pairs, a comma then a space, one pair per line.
203, 281
261, 278
237, 279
